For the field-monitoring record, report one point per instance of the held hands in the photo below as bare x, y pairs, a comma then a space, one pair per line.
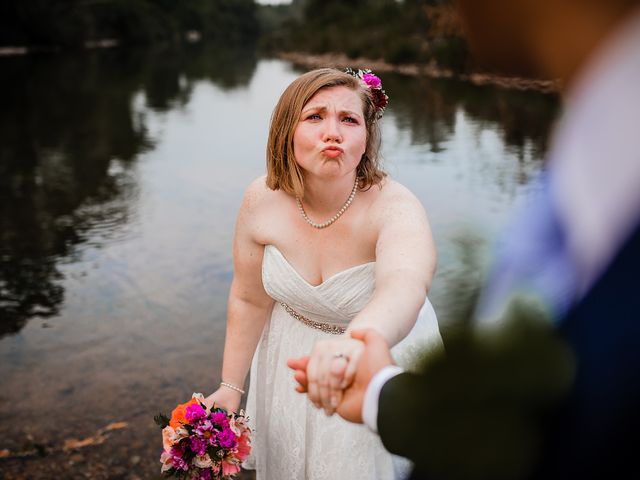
338, 385
330, 369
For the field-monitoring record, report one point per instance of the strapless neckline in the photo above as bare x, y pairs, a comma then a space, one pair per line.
326, 280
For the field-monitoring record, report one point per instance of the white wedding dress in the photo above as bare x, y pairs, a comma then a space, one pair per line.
293, 440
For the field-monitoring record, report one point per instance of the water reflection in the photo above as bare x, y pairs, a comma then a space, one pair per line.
427, 108
70, 137
120, 176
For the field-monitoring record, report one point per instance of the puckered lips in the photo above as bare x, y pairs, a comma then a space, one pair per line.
332, 151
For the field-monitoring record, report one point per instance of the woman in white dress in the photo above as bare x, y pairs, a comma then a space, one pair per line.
323, 244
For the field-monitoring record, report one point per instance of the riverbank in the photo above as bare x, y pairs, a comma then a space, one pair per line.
121, 450
10, 51
428, 70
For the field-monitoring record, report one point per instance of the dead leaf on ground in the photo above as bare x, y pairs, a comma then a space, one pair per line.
72, 443
114, 426
97, 439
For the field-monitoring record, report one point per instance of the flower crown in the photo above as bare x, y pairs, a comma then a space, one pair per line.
373, 83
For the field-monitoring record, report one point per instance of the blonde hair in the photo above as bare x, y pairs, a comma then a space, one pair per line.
283, 173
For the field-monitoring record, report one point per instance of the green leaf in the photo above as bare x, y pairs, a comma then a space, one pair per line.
161, 420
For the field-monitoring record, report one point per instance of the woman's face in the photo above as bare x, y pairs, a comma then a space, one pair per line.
331, 135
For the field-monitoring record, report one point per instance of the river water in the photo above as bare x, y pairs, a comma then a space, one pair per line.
121, 173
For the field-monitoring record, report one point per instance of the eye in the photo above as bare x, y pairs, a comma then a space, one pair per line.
314, 116
350, 120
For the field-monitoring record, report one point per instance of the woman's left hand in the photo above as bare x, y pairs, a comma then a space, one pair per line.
331, 369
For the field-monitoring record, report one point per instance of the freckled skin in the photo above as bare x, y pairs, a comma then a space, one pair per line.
333, 117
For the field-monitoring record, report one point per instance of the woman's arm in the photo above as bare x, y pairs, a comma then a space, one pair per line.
248, 305
405, 265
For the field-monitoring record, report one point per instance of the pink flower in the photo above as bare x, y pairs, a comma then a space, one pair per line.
200, 399
205, 431
243, 449
227, 439
179, 463
194, 412
170, 437
220, 419
167, 464
372, 80
239, 426
203, 475
229, 468
198, 445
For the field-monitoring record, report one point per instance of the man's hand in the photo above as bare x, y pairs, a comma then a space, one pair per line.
299, 366
375, 357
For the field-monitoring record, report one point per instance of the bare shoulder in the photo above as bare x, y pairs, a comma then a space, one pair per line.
257, 198
393, 200
259, 210
255, 194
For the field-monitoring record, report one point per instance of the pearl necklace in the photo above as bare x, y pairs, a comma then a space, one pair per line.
336, 216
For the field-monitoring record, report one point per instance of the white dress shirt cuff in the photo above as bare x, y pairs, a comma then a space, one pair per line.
372, 395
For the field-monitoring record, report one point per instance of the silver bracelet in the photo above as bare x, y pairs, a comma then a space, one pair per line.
232, 387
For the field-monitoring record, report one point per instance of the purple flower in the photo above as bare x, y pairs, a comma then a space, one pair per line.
372, 80
204, 474
227, 439
380, 99
220, 419
177, 451
198, 446
205, 431
195, 412
178, 462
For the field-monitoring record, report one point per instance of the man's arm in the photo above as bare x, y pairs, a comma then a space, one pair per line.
477, 412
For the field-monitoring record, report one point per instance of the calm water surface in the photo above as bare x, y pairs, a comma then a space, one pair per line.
120, 177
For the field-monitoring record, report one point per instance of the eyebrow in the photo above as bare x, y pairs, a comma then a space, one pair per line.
324, 109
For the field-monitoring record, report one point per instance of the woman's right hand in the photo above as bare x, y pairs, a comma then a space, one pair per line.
224, 398
331, 369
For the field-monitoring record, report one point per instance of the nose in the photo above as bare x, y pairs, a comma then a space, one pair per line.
332, 131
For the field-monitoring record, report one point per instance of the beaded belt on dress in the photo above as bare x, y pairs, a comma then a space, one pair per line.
324, 327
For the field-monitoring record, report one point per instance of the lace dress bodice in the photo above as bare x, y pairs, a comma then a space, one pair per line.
337, 300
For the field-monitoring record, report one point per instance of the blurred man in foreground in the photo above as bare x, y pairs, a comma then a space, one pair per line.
516, 397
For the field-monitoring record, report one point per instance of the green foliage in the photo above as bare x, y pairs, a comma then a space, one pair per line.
487, 395
72, 23
403, 50
398, 32
451, 52
161, 420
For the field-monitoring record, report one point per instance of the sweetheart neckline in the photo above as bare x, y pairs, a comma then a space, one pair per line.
324, 282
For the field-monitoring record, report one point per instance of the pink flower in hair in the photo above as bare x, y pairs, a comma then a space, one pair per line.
372, 80
373, 83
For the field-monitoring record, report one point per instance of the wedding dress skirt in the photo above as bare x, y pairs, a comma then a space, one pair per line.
293, 440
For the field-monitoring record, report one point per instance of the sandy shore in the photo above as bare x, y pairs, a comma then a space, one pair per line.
432, 71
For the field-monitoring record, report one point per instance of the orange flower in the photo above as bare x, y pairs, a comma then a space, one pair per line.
178, 415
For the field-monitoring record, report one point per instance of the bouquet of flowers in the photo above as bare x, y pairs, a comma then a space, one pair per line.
203, 444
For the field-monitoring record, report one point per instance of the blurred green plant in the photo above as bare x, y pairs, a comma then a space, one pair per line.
399, 32
479, 406
73, 23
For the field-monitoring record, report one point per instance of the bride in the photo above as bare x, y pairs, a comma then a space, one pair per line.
326, 242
